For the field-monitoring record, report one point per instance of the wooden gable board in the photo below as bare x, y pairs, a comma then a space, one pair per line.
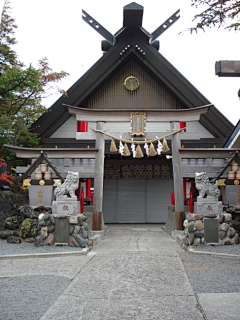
150, 94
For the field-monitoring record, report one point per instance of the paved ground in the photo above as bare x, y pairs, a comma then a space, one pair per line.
137, 272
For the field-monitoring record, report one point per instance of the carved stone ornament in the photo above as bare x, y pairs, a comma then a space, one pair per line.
204, 186
70, 185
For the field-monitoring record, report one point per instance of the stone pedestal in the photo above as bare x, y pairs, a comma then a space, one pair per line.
61, 231
40, 195
208, 206
65, 206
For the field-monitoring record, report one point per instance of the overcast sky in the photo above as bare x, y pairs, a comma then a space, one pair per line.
55, 29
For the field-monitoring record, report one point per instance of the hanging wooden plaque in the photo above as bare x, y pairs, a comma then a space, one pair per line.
138, 124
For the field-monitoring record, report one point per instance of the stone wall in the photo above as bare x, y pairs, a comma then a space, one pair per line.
9, 202
198, 230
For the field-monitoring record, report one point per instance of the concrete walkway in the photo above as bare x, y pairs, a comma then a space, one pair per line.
134, 273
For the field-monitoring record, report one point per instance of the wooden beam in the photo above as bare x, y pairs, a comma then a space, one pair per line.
202, 153
164, 26
54, 153
192, 169
84, 172
126, 135
153, 115
98, 27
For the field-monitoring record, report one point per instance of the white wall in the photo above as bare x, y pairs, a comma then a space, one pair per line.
69, 128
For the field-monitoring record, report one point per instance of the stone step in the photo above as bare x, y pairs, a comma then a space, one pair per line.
88, 209
95, 239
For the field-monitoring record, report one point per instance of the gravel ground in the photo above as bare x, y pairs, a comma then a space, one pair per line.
29, 248
43, 290
230, 249
211, 273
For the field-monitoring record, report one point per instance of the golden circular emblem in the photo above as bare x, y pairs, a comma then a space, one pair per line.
131, 83
236, 182
42, 182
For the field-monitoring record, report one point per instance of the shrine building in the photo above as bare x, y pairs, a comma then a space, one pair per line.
119, 117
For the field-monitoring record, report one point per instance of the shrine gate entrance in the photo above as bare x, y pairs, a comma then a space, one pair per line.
136, 200
137, 193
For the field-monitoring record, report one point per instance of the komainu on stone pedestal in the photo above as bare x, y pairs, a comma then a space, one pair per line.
70, 185
205, 187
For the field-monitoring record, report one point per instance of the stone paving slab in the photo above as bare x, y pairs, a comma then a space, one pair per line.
163, 308
133, 274
220, 306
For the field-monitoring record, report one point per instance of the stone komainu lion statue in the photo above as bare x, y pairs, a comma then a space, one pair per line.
69, 186
205, 187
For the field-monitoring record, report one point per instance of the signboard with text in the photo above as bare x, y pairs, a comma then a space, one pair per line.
138, 124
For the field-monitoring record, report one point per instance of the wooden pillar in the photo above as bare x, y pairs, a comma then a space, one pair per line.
184, 188
88, 188
177, 176
81, 127
79, 189
97, 223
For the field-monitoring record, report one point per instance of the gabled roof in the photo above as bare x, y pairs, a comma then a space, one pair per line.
43, 157
233, 158
234, 138
132, 42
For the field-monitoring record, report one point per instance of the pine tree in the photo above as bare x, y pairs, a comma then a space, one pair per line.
220, 13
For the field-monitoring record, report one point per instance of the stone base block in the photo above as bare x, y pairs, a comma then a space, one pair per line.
89, 216
171, 219
206, 206
65, 207
61, 235
40, 196
230, 195
211, 230
98, 234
